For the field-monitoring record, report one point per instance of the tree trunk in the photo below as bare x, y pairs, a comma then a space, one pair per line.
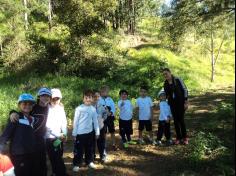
131, 21
1, 49
117, 20
134, 18
104, 20
212, 57
49, 15
26, 15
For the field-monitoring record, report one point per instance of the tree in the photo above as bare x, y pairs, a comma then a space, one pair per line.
26, 14
209, 19
50, 14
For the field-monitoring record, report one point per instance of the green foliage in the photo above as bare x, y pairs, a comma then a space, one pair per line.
190, 16
80, 16
203, 145
226, 110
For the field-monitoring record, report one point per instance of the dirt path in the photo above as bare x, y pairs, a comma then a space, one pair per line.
148, 160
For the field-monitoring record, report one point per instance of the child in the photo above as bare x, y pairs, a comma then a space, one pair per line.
22, 138
107, 102
125, 121
6, 166
56, 133
164, 119
85, 121
102, 115
144, 105
40, 113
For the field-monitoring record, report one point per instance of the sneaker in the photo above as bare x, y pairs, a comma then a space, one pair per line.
170, 142
141, 141
185, 142
154, 142
159, 143
114, 147
177, 142
76, 169
150, 140
92, 165
132, 142
104, 159
126, 145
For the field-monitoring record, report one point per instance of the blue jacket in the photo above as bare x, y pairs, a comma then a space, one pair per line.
21, 136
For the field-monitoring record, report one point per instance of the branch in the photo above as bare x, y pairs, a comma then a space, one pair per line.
221, 44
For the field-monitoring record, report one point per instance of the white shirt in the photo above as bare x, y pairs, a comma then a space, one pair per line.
165, 111
108, 102
102, 115
85, 120
126, 110
144, 104
56, 122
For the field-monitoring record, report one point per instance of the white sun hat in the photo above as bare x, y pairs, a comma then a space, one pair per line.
56, 93
162, 92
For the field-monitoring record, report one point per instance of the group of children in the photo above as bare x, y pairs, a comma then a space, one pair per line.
40, 128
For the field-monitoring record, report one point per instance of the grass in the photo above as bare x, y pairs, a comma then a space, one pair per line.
139, 65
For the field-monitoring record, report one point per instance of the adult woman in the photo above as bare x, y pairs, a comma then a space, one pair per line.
177, 95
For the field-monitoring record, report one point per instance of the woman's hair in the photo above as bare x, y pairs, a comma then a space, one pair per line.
166, 69
123, 91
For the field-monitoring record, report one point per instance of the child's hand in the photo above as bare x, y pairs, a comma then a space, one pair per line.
74, 138
14, 117
109, 113
63, 138
168, 121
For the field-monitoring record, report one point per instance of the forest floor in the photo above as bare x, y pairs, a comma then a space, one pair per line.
149, 160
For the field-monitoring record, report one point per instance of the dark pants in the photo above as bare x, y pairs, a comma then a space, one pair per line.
40, 163
56, 158
109, 124
101, 143
83, 144
178, 114
126, 130
163, 127
23, 165
94, 145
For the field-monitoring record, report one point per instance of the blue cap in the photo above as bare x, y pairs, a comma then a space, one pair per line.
44, 91
26, 97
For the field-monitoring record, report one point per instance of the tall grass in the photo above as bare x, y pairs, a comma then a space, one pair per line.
138, 66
